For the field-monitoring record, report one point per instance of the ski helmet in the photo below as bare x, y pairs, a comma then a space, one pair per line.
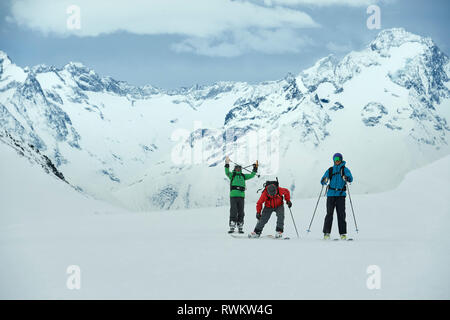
338, 155
271, 190
237, 168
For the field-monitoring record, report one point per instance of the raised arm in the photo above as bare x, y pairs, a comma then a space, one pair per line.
227, 171
227, 168
251, 175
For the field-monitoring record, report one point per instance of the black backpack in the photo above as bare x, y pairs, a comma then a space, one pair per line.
268, 182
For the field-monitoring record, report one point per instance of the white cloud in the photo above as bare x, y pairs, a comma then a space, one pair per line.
336, 47
323, 3
267, 41
219, 27
208, 47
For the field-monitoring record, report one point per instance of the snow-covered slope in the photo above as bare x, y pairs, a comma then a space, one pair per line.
32, 190
385, 108
46, 226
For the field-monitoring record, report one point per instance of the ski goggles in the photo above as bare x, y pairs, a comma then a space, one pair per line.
337, 159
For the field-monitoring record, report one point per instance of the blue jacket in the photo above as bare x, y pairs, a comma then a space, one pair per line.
336, 181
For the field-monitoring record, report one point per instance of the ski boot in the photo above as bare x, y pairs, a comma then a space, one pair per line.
254, 235
240, 227
343, 237
232, 227
326, 236
279, 234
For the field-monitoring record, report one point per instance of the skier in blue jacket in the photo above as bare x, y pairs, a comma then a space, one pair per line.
337, 176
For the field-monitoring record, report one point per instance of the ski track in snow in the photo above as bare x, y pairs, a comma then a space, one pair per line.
47, 226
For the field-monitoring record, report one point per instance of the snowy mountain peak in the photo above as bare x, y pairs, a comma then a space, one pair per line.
325, 64
76, 66
4, 61
43, 68
395, 37
4, 56
322, 71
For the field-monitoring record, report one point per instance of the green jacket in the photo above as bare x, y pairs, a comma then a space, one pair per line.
239, 181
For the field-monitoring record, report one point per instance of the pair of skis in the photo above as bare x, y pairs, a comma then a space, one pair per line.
348, 239
270, 236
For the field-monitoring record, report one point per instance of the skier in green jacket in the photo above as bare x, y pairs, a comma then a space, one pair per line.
237, 194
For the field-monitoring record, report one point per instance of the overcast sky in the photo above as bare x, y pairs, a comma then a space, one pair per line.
173, 43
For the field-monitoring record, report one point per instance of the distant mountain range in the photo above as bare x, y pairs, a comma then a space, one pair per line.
384, 107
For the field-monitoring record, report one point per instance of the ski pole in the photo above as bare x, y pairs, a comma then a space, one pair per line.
309, 228
351, 204
244, 168
294, 223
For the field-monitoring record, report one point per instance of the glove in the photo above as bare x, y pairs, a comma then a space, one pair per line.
289, 204
258, 215
345, 178
324, 181
255, 166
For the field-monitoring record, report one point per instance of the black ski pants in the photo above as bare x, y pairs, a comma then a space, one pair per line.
339, 204
265, 216
237, 210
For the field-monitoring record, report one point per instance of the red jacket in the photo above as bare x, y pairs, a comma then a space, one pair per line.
275, 201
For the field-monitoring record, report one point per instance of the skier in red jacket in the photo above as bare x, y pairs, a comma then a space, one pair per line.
272, 197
